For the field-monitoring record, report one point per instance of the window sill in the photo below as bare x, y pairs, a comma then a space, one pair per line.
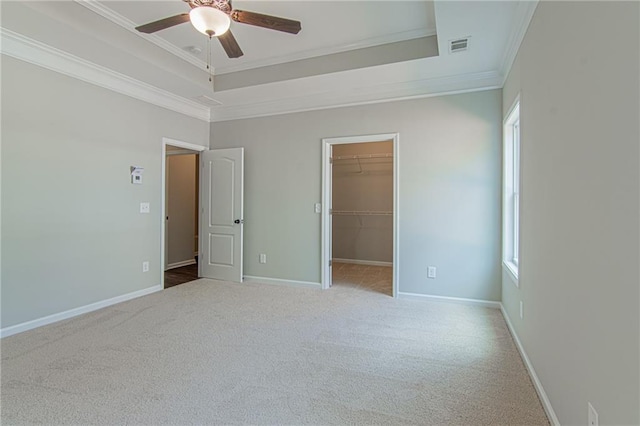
512, 271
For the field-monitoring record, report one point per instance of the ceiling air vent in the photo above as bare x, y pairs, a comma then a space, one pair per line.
459, 45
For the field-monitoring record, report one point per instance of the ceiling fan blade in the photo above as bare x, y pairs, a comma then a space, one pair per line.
230, 45
152, 27
266, 21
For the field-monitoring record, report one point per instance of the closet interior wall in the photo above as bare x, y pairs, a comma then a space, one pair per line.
362, 202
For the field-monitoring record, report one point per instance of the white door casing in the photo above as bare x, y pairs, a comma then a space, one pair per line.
165, 215
326, 269
326, 228
221, 214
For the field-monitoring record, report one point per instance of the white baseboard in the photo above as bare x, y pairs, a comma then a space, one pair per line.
364, 262
459, 300
546, 404
50, 319
276, 281
180, 264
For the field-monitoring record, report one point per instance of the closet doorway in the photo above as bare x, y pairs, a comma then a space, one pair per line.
181, 216
360, 213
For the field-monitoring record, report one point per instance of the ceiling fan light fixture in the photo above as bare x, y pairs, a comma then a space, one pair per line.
209, 20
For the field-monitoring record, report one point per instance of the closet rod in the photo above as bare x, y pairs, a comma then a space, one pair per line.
361, 213
361, 156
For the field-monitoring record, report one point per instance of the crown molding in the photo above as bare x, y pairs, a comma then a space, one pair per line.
37, 53
324, 51
40, 54
362, 96
129, 25
524, 13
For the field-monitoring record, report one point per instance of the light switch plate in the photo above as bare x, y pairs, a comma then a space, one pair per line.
145, 208
317, 207
431, 272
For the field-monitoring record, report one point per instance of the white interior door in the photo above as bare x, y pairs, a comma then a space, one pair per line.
221, 214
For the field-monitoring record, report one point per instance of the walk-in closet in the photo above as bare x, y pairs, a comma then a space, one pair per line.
362, 215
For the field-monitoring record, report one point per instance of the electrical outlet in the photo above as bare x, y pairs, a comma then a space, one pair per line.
431, 272
317, 207
592, 416
521, 310
145, 266
145, 208
263, 258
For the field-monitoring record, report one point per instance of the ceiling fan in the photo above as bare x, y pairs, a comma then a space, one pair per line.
213, 18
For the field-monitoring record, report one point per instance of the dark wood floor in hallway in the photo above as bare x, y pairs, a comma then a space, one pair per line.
181, 275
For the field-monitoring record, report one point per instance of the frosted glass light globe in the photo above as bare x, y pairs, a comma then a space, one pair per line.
209, 20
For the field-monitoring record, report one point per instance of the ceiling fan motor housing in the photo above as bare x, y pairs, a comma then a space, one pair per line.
222, 5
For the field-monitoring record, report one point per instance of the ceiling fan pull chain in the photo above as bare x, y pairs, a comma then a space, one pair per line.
209, 59
209, 54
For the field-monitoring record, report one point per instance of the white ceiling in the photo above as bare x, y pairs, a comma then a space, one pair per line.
103, 33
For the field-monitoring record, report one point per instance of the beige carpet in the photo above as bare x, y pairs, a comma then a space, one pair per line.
218, 353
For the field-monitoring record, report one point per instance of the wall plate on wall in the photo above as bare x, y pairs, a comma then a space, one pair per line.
136, 175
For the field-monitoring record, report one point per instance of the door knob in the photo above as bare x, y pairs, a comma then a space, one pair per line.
238, 221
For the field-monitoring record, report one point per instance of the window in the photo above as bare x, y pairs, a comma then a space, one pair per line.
511, 192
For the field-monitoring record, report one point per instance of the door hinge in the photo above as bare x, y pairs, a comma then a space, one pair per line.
330, 263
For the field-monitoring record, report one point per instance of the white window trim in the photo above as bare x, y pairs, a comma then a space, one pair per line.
509, 262
511, 271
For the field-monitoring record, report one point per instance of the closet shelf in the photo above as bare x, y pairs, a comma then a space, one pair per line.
360, 213
361, 156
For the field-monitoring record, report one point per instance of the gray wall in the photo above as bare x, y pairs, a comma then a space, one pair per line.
579, 223
182, 207
362, 185
449, 189
72, 233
